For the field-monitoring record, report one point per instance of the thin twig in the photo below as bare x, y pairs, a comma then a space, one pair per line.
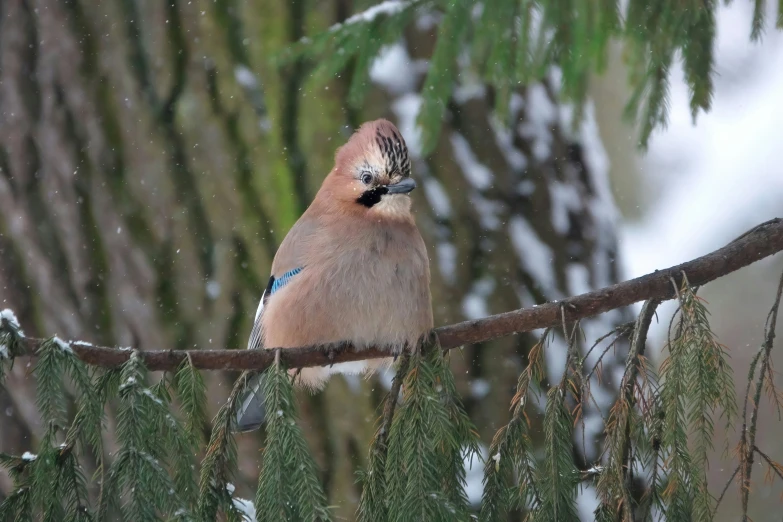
772, 391
621, 331
655, 435
391, 400
572, 347
751, 372
763, 241
591, 473
677, 313
638, 347
749, 443
518, 412
771, 463
726, 488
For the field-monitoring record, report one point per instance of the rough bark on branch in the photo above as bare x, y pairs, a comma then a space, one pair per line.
760, 242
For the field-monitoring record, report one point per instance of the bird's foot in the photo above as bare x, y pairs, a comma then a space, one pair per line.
331, 352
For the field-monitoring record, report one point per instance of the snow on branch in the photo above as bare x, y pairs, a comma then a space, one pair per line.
762, 241
389, 7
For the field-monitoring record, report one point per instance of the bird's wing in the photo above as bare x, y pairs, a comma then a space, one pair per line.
274, 285
252, 412
289, 260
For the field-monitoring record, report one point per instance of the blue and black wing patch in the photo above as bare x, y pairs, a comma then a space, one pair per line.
272, 286
283, 280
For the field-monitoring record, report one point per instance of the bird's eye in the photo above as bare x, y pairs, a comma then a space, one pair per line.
366, 178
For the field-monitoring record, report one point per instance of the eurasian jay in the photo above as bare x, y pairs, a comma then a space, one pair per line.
354, 267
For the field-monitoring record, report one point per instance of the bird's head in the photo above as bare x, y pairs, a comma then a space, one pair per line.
372, 171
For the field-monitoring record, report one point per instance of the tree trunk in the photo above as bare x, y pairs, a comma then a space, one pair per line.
152, 157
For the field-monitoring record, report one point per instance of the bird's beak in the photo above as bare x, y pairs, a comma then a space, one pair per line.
401, 187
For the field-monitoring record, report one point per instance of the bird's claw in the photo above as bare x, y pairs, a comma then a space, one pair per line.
397, 351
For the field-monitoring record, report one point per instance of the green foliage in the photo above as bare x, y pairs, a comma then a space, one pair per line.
429, 439
151, 476
417, 459
11, 337
56, 359
51, 485
18, 505
191, 392
711, 388
219, 461
628, 424
459, 433
509, 479
50, 384
373, 502
372, 505
648, 435
288, 487
659, 431
443, 69
697, 381
360, 38
151, 443
179, 442
377, 33
502, 56
557, 472
511, 43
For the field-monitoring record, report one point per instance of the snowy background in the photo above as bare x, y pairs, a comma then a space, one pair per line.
700, 186
711, 181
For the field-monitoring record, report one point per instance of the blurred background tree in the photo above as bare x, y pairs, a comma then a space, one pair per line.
153, 155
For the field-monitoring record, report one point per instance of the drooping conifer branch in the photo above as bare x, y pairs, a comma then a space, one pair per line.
613, 482
747, 447
762, 241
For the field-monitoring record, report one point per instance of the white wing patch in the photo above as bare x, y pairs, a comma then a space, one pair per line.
260, 306
255, 334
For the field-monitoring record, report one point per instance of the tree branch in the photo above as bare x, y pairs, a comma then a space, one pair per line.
760, 242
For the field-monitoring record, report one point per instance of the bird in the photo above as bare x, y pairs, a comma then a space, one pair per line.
353, 268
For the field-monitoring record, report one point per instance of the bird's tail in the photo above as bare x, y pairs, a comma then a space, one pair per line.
252, 410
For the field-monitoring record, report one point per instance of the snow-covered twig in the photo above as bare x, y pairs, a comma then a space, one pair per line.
388, 7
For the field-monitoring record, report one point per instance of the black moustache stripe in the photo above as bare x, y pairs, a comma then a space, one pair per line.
370, 197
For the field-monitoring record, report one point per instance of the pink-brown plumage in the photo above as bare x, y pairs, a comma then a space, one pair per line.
365, 271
